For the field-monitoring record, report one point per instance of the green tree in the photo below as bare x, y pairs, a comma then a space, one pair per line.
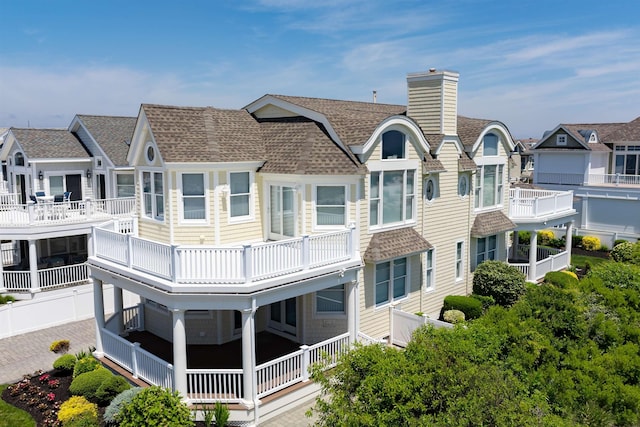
497, 279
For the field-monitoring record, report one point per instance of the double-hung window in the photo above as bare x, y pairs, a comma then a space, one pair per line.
239, 195
489, 186
330, 205
125, 185
486, 249
392, 198
193, 197
391, 281
627, 159
429, 269
459, 260
331, 300
153, 195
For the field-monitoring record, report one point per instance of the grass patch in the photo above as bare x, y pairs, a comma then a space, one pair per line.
11, 416
579, 261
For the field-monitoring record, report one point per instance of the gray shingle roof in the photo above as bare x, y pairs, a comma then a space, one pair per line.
50, 144
204, 134
624, 132
112, 134
301, 146
395, 243
466, 164
489, 223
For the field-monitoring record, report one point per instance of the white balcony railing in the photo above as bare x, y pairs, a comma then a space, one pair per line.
224, 264
47, 278
615, 179
532, 204
19, 215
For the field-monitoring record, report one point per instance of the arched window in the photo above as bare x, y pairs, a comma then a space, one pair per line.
490, 145
393, 146
19, 157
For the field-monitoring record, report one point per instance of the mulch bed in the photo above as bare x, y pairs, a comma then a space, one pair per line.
41, 394
596, 254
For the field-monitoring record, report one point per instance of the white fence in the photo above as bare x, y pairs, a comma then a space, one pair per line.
556, 262
404, 324
53, 308
231, 264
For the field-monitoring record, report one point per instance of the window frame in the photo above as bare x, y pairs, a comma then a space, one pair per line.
316, 205
407, 216
153, 194
332, 314
250, 196
561, 139
430, 270
182, 198
489, 138
390, 282
463, 178
400, 156
480, 186
132, 186
459, 261
485, 253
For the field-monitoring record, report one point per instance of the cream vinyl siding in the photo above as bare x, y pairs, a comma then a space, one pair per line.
242, 231
192, 234
149, 228
450, 107
446, 221
271, 111
424, 104
318, 328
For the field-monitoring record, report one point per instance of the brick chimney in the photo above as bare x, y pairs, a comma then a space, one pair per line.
433, 100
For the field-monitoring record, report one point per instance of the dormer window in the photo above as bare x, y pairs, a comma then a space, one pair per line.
490, 145
393, 145
593, 138
561, 139
19, 159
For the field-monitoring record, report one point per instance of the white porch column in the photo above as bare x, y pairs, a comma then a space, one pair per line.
98, 313
33, 267
179, 352
533, 255
248, 357
118, 308
568, 241
352, 327
2, 288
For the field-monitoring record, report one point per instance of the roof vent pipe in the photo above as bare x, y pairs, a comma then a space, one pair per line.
375, 96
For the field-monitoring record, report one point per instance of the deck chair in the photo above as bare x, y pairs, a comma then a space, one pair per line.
58, 198
33, 199
67, 196
39, 193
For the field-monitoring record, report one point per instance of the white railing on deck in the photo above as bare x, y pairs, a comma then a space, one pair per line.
17, 281
7, 200
329, 351
201, 264
210, 385
139, 362
525, 203
132, 318
10, 254
279, 373
551, 262
613, 179
542, 252
65, 275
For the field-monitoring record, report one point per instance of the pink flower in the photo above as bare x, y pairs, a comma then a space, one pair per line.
53, 383
51, 397
44, 377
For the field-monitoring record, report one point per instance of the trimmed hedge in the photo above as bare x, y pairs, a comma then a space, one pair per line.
471, 307
65, 363
561, 279
87, 384
77, 407
85, 364
110, 388
505, 283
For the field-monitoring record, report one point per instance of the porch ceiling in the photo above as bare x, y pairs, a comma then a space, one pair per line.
269, 346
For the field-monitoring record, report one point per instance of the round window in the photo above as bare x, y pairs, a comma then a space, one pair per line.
463, 185
431, 189
151, 154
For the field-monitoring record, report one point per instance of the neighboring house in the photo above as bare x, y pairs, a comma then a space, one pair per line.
50, 207
600, 163
521, 161
304, 221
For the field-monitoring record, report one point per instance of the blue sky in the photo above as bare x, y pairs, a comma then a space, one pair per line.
529, 64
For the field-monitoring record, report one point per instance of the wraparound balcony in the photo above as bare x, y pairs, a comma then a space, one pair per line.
538, 205
181, 267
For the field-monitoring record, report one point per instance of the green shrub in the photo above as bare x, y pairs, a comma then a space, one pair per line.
155, 406
83, 420
65, 363
622, 252
112, 411
545, 236
453, 316
485, 300
85, 353
110, 388
524, 237
221, 414
576, 241
75, 407
561, 279
6, 298
499, 280
557, 243
86, 364
471, 307
591, 243
59, 346
618, 241
88, 383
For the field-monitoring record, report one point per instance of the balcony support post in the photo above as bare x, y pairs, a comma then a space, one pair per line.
568, 242
249, 397
118, 308
2, 288
179, 352
98, 313
33, 267
352, 309
533, 256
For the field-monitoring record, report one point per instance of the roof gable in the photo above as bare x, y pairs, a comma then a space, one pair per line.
49, 144
112, 134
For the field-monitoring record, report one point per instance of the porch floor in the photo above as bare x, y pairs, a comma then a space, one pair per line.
269, 346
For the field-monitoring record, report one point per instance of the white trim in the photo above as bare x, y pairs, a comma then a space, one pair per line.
227, 191
501, 132
403, 124
407, 282
154, 216
434, 179
459, 278
561, 140
432, 288
330, 314
314, 205
463, 176
179, 188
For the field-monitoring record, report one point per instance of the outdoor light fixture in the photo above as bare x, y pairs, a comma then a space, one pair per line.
88, 173
40, 176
